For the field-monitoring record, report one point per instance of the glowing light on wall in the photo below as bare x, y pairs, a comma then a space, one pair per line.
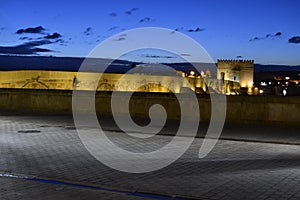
250, 84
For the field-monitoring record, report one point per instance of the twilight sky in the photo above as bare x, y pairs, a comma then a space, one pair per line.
266, 30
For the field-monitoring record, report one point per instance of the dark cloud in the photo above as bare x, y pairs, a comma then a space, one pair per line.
36, 43
61, 42
88, 31
38, 29
273, 35
199, 29
268, 35
25, 38
185, 54
113, 14
113, 28
120, 39
33, 45
255, 39
129, 12
196, 30
295, 40
53, 36
278, 34
146, 19
28, 48
177, 29
155, 56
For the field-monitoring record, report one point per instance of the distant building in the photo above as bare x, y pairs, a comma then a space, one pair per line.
278, 83
241, 71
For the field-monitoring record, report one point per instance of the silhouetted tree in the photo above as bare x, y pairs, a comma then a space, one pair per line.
133, 65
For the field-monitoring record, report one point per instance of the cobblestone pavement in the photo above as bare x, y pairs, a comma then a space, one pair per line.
16, 188
48, 148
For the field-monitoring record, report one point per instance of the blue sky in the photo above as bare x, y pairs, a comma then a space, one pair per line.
266, 31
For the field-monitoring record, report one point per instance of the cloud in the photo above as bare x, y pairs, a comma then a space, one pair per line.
134, 9
28, 48
155, 56
275, 35
33, 45
185, 54
129, 12
278, 34
113, 28
295, 40
53, 36
176, 29
88, 31
121, 37
146, 19
61, 42
113, 14
36, 43
25, 38
196, 30
255, 39
38, 29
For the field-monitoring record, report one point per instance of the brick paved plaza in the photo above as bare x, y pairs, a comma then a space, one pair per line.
42, 157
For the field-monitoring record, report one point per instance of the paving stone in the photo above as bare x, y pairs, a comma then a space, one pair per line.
233, 170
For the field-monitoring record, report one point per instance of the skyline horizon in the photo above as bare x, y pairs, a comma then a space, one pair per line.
264, 31
134, 61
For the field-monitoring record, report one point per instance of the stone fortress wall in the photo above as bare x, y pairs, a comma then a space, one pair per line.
231, 76
51, 91
241, 71
62, 80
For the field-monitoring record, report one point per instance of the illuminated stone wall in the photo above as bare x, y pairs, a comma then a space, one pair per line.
37, 79
61, 80
241, 71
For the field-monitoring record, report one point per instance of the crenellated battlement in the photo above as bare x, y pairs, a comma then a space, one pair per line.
235, 61
240, 71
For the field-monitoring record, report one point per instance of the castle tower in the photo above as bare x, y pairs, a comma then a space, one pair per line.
240, 71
